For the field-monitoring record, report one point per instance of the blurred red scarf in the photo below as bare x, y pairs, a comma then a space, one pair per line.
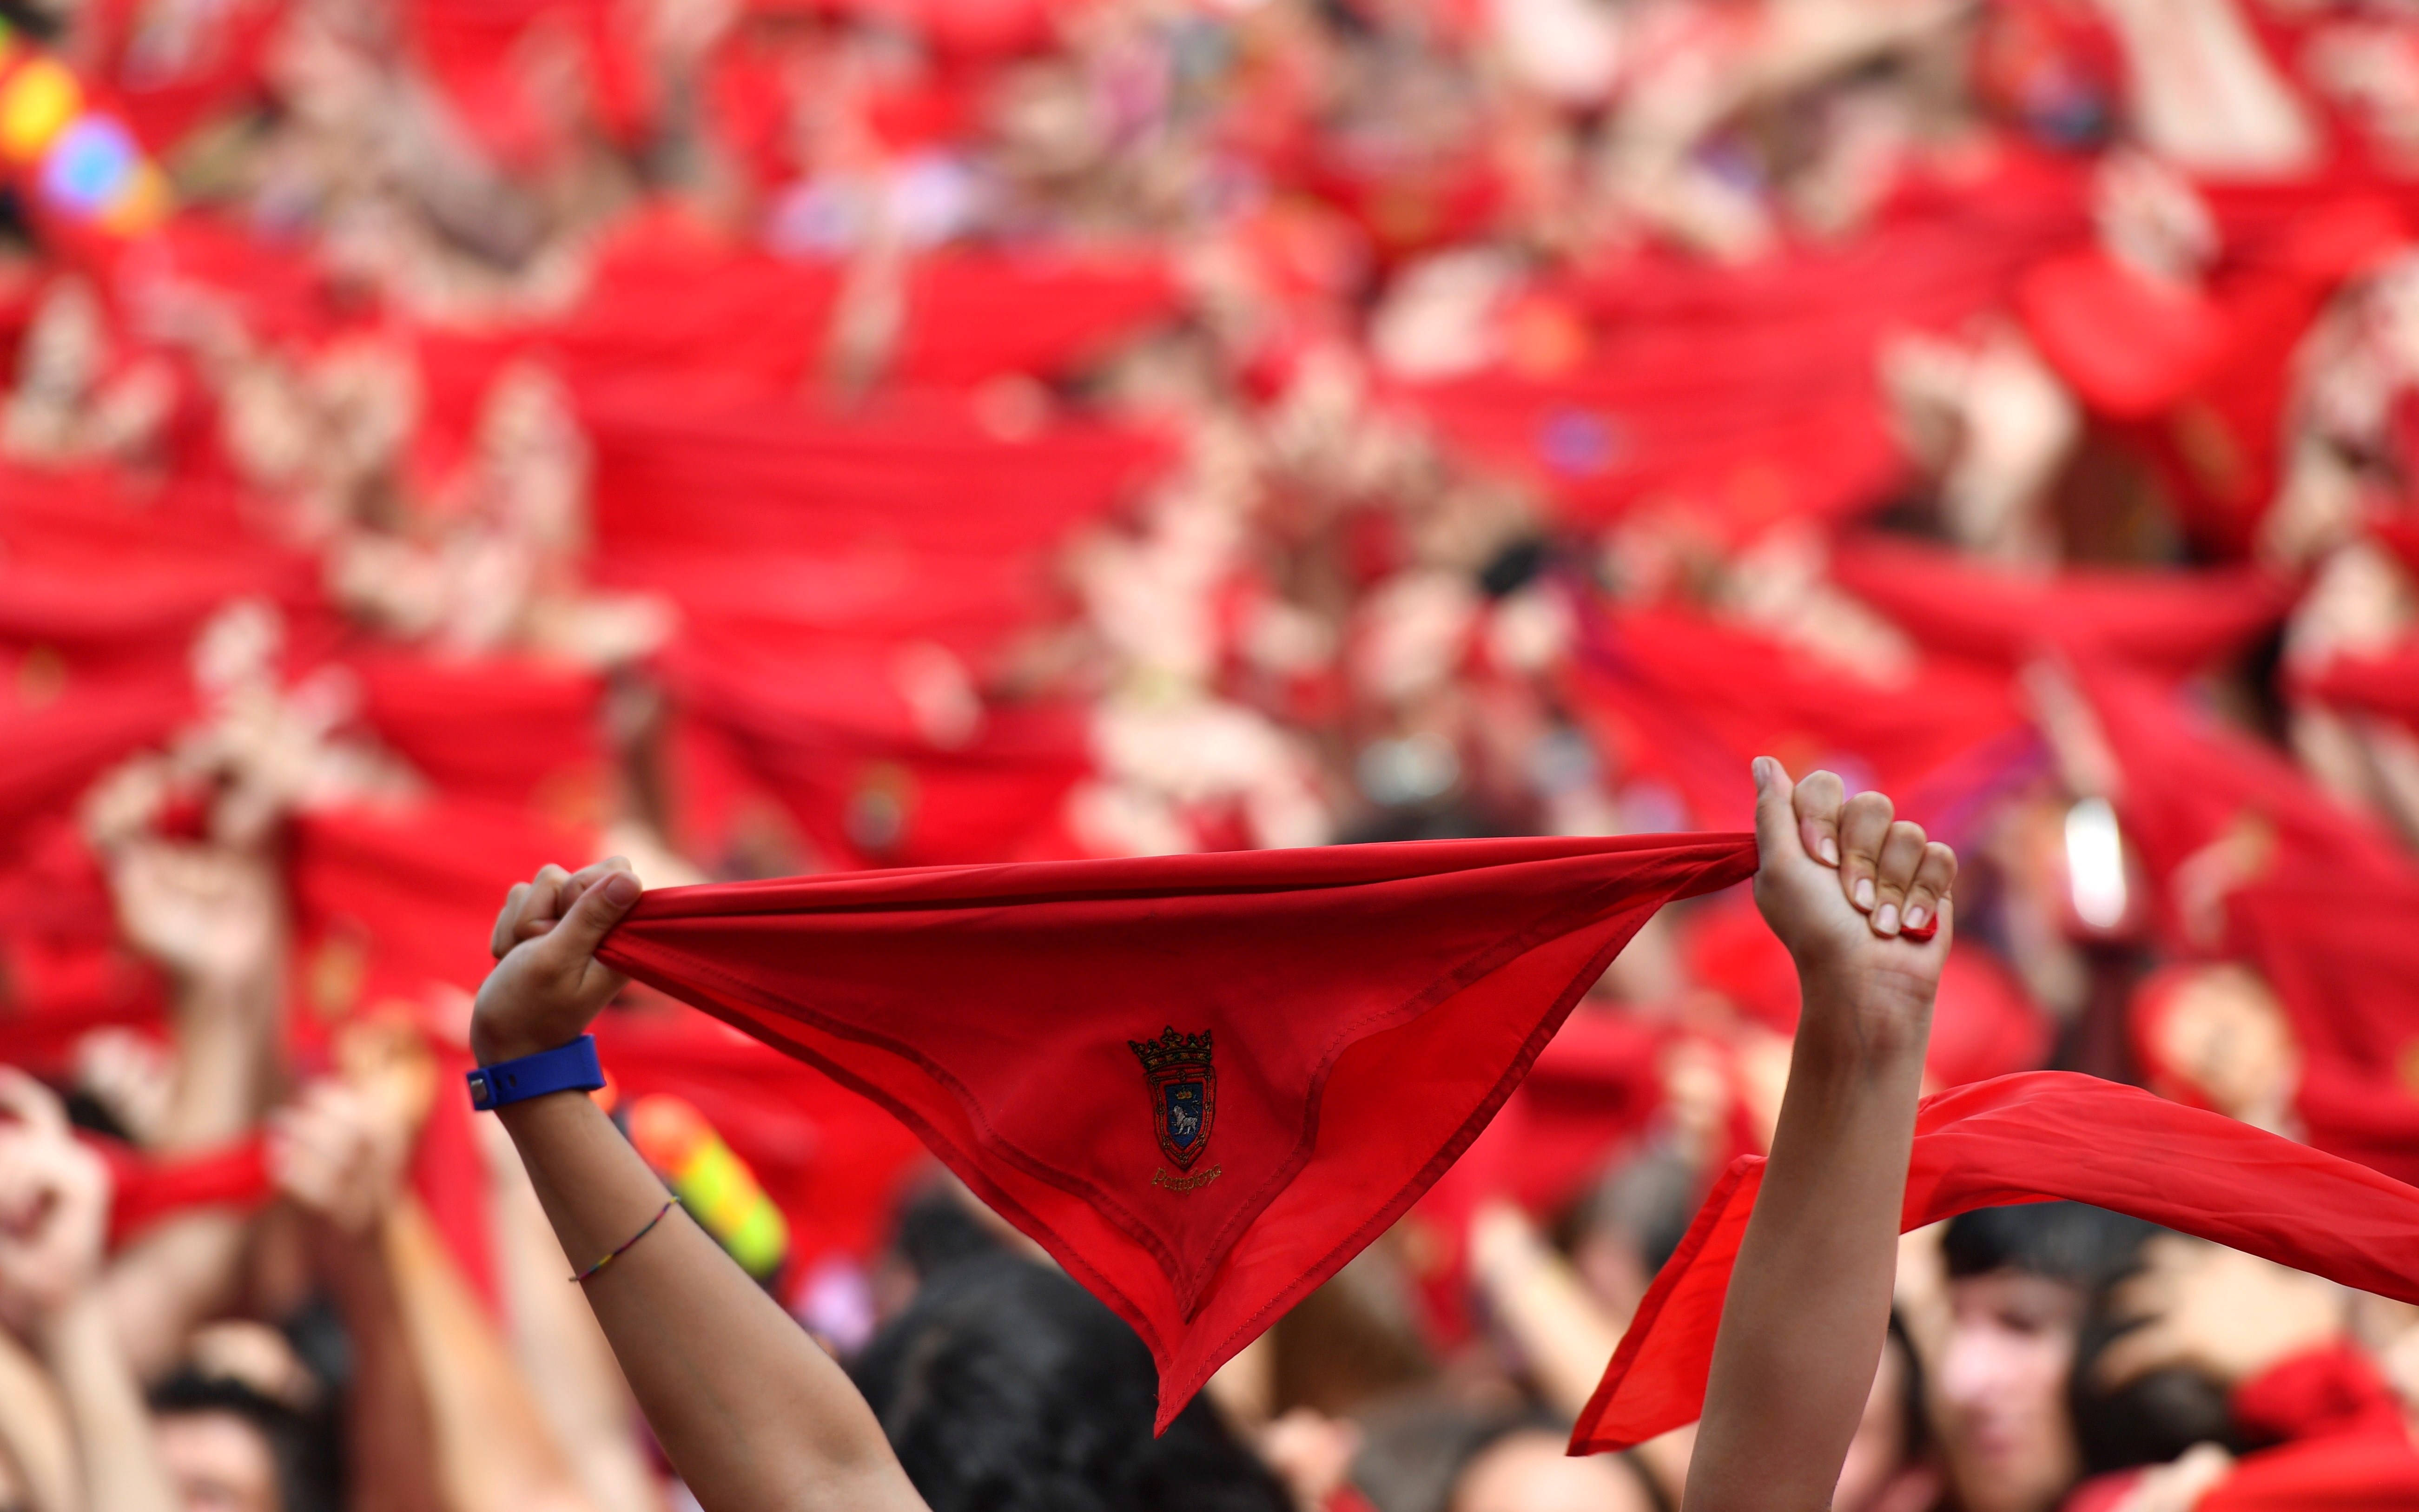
1202, 1083
2039, 1137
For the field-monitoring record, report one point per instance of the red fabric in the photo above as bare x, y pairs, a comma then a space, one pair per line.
2040, 1136
388, 901
1369, 1008
683, 467
878, 593
51, 753
2129, 344
145, 1192
1745, 395
2351, 993
62, 972
972, 316
2398, 533
2189, 781
2199, 377
113, 580
211, 63
2387, 685
2359, 1474
2168, 622
1684, 701
837, 738
487, 55
2343, 1446
2319, 1392
509, 731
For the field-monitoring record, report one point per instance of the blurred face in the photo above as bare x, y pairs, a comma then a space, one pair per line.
2226, 1034
2003, 1417
1528, 1472
218, 1463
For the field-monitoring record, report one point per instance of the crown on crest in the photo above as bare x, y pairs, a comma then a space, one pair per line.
1171, 1049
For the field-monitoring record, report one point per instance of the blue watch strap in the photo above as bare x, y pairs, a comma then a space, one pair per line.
566, 1068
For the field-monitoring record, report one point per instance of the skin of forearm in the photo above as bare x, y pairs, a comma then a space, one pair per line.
1565, 1335
222, 1060
493, 1450
750, 1410
570, 1370
112, 1428
35, 1432
168, 1281
389, 1438
1808, 1303
185, 1268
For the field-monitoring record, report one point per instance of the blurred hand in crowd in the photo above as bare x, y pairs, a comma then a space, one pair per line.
2227, 1315
1311, 1453
54, 1206
205, 913
341, 1148
548, 983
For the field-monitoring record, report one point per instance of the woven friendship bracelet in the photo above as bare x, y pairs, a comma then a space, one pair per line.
625, 1247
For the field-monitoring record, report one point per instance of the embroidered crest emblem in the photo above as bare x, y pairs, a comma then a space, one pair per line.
1183, 1092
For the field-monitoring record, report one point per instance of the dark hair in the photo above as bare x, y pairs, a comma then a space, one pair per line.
2147, 1420
1417, 1449
1006, 1387
2151, 1419
1650, 1200
2081, 1245
300, 1447
935, 1231
1915, 1422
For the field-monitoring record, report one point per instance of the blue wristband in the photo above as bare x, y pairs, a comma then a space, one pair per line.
566, 1068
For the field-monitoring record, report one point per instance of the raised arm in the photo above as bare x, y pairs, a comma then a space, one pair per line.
54, 1212
1801, 1334
754, 1415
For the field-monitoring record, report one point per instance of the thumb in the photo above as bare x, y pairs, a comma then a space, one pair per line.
593, 918
1776, 816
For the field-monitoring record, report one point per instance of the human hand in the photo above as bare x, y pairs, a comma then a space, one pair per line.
54, 1205
335, 1152
2221, 1312
1311, 1453
1861, 897
208, 913
548, 983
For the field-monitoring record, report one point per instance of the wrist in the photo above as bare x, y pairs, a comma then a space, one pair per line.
566, 1068
1861, 1024
495, 1039
73, 1321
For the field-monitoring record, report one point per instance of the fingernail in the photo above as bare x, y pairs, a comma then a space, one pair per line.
1885, 921
1830, 851
1865, 893
621, 889
1916, 916
1761, 768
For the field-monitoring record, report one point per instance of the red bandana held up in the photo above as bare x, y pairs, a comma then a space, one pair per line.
2037, 1137
1202, 1083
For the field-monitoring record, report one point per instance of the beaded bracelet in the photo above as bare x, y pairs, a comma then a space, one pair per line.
624, 1248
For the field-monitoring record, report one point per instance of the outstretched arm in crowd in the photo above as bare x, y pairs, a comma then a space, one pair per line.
1809, 1303
211, 916
752, 1414
53, 1213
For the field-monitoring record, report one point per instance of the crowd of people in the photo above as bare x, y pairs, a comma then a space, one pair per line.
445, 437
